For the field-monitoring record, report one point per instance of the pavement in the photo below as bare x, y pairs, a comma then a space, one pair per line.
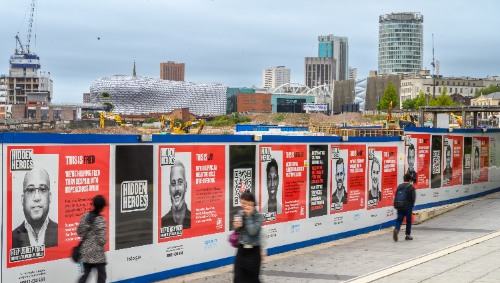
461, 245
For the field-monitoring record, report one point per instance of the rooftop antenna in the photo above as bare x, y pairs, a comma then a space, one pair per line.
433, 61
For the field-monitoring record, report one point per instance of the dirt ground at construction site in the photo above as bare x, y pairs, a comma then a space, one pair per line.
292, 119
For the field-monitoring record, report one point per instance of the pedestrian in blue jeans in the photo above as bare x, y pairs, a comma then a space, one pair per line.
402, 213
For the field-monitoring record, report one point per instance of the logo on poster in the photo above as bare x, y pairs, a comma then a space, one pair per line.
167, 156
265, 154
242, 181
134, 196
21, 159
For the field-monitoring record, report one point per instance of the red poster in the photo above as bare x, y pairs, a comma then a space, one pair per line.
191, 194
48, 190
283, 186
348, 178
452, 160
382, 176
480, 151
417, 157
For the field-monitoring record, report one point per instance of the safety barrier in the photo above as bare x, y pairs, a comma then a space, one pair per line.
322, 188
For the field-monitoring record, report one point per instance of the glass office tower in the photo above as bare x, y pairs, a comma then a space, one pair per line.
401, 43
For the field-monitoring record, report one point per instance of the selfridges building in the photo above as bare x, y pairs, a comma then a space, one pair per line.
138, 95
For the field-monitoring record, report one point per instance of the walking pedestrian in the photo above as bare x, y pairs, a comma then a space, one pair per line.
92, 230
247, 224
404, 202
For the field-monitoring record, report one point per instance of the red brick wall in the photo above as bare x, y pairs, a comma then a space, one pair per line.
67, 113
254, 102
19, 111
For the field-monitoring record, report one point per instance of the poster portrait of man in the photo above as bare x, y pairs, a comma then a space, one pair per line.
340, 193
37, 228
411, 163
176, 191
274, 191
375, 190
447, 172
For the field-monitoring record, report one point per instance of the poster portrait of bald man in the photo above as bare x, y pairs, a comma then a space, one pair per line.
176, 193
37, 228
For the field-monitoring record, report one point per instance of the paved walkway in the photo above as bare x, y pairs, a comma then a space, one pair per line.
441, 251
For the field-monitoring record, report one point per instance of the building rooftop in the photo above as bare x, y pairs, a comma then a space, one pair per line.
495, 95
416, 16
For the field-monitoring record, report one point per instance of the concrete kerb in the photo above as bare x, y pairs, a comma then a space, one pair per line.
419, 217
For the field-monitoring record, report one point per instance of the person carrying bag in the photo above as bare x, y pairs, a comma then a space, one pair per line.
248, 224
92, 229
404, 200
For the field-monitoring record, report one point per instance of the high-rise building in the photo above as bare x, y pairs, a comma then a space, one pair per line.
274, 77
320, 71
337, 47
353, 72
24, 77
172, 71
401, 43
86, 98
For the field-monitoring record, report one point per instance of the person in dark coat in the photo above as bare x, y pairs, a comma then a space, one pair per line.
248, 258
92, 229
411, 197
37, 229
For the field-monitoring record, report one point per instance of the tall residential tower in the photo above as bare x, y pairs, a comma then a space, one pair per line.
401, 43
274, 77
336, 47
171, 71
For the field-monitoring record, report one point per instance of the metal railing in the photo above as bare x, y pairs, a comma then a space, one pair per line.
369, 132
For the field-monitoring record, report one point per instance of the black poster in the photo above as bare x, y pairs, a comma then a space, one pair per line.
467, 175
436, 161
241, 176
318, 180
134, 196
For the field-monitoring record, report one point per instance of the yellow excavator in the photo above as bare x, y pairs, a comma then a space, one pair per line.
459, 119
117, 118
408, 120
170, 121
390, 124
184, 129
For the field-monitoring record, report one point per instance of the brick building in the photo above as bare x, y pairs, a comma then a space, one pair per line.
254, 102
172, 71
86, 98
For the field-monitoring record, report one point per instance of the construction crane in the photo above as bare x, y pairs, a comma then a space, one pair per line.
26, 48
433, 61
117, 118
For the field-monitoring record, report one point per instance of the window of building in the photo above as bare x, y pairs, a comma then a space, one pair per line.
439, 89
447, 82
45, 115
460, 90
253, 110
428, 89
57, 114
31, 114
253, 101
473, 84
468, 83
456, 90
453, 83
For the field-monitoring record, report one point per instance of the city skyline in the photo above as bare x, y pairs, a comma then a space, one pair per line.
236, 53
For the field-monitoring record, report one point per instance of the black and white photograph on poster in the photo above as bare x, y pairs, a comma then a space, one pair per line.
467, 175
35, 206
134, 192
374, 177
241, 176
436, 161
476, 171
448, 157
340, 175
176, 194
410, 158
318, 180
271, 192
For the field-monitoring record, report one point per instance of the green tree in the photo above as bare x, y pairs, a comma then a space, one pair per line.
409, 103
421, 100
390, 94
487, 90
443, 99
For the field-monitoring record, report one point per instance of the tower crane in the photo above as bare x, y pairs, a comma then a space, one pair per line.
26, 48
433, 61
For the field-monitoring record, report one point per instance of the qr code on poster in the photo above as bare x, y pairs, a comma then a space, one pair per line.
242, 182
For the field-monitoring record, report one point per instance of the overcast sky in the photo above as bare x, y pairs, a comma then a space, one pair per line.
232, 41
